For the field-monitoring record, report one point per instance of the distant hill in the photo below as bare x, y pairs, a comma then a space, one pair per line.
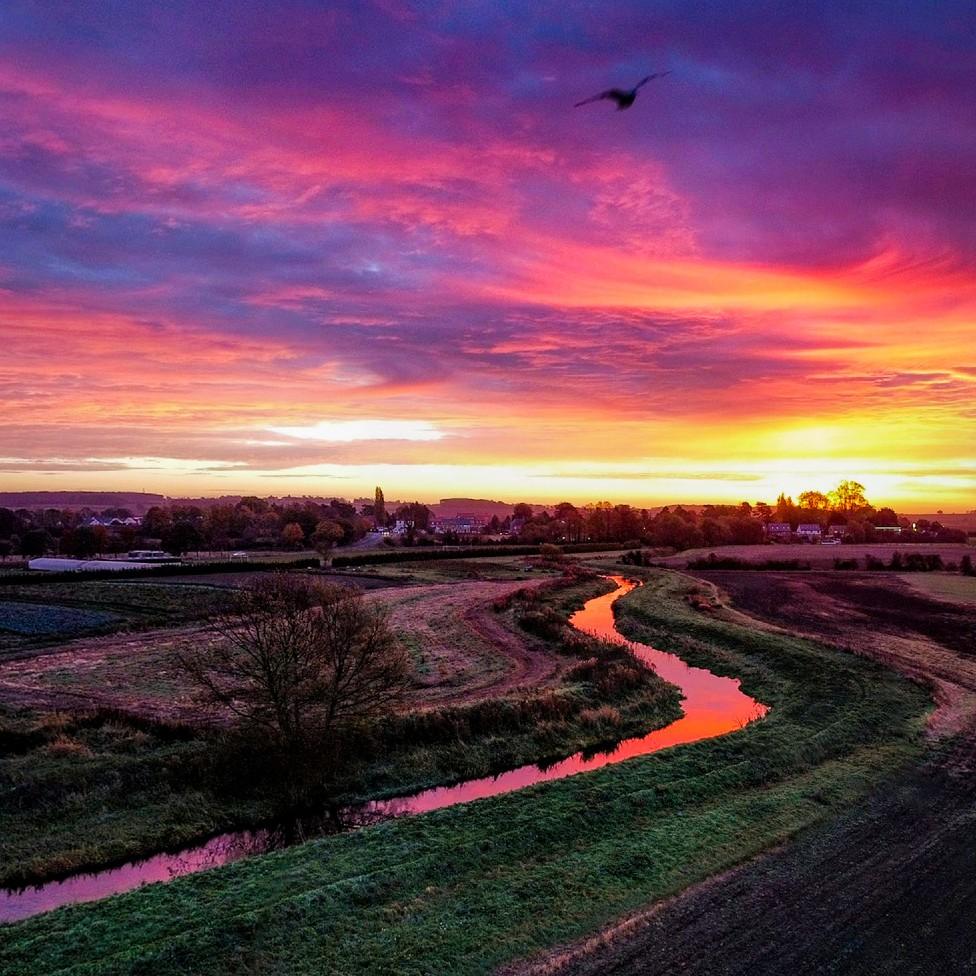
483, 507
138, 502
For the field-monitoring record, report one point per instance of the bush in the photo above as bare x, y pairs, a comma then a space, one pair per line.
551, 553
917, 562
966, 566
637, 557
845, 564
545, 623
912, 562
603, 715
732, 562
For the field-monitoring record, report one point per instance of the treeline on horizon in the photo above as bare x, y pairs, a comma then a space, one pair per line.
257, 523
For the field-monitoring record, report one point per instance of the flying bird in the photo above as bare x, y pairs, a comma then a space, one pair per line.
623, 97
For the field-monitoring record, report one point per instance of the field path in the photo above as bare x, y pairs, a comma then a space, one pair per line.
461, 651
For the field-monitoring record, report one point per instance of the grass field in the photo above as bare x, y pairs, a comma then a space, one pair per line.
946, 586
463, 890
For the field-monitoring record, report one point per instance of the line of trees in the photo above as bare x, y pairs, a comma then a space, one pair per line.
675, 527
251, 523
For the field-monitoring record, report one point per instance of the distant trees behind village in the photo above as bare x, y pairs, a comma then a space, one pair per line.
678, 527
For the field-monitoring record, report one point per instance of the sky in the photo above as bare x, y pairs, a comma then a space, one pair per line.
308, 247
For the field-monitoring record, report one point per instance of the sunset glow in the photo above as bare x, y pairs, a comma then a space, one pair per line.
294, 248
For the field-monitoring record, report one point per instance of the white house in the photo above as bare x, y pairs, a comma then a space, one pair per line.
779, 530
809, 532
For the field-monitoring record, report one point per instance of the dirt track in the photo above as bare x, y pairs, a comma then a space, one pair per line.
462, 652
888, 889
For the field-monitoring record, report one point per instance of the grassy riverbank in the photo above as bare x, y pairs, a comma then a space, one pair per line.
465, 889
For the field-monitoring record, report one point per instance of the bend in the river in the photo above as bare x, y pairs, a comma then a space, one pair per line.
712, 706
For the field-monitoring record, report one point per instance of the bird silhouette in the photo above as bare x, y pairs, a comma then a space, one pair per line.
623, 97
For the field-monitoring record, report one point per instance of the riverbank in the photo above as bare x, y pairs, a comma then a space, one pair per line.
466, 889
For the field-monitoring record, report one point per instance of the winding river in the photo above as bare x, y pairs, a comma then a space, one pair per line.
712, 706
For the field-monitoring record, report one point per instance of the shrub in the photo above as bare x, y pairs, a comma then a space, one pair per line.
546, 623
64, 745
845, 564
602, 715
966, 566
551, 553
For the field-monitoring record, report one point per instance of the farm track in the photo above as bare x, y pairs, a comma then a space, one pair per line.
888, 888
467, 654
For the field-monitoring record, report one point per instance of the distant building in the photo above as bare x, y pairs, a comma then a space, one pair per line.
888, 529
52, 564
809, 532
780, 531
113, 523
464, 524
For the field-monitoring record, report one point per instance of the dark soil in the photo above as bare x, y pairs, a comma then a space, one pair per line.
832, 604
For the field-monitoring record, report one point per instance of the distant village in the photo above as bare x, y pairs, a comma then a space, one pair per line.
170, 529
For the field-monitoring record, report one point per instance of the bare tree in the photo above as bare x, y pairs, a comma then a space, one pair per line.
299, 662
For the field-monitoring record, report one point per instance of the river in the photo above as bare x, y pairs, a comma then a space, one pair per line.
711, 705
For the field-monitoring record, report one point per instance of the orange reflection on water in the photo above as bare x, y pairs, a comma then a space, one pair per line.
712, 706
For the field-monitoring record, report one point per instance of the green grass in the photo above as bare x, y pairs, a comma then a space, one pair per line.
462, 890
93, 793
